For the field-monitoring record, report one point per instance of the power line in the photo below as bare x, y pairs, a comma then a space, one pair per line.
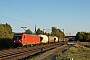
19, 11
15, 7
13, 19
10, 18
13, 10
22, 12
10, 8
17, 21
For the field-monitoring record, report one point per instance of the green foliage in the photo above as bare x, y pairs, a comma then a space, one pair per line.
48, 34
85, 49
5, 31
83, 36
57, 32
28, 31
73, 49
75, 52
39, 31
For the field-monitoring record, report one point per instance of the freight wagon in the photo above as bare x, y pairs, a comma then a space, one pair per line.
63, 39
44, 39
52, 39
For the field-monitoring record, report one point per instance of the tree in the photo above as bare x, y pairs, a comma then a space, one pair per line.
39, 31
5, 31
83, 36
48, 34
28, 31
57, 32
78, 36
88, 37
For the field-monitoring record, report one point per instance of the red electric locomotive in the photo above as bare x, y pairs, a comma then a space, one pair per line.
25, 39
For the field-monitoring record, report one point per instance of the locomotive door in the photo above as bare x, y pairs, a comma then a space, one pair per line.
25, 40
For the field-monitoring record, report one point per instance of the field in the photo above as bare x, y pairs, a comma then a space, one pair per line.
76, 52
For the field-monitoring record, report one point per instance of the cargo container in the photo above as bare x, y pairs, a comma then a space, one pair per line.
52, 39
44, 38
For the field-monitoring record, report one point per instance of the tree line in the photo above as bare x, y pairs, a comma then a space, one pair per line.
83, 36
5, 31
54, 32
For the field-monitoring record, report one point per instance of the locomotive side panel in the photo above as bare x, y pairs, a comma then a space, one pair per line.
23, 39
31, 39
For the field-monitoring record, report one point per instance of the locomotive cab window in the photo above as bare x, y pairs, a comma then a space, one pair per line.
17, 37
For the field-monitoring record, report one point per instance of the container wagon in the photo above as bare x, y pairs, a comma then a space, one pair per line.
43, 38
52, 39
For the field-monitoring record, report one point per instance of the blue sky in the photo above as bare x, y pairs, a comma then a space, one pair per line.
70, 15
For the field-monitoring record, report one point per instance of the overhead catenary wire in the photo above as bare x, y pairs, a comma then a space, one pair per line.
13, 19
10, 8
20, 12
10, 19
24, 12
16, 7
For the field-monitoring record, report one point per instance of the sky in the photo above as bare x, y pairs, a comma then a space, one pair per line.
70, 15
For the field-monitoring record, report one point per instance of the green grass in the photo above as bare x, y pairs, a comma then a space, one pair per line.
77, 53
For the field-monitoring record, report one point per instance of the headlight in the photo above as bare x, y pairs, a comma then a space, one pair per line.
14, 41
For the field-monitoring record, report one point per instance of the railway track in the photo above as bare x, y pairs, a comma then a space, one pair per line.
20, 53
55, 52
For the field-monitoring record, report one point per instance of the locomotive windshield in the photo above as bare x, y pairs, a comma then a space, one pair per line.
15, 37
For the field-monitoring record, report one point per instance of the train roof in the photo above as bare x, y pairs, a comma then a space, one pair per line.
24, 33
32, 34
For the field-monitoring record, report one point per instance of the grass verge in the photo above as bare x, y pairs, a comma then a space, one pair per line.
76, 52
